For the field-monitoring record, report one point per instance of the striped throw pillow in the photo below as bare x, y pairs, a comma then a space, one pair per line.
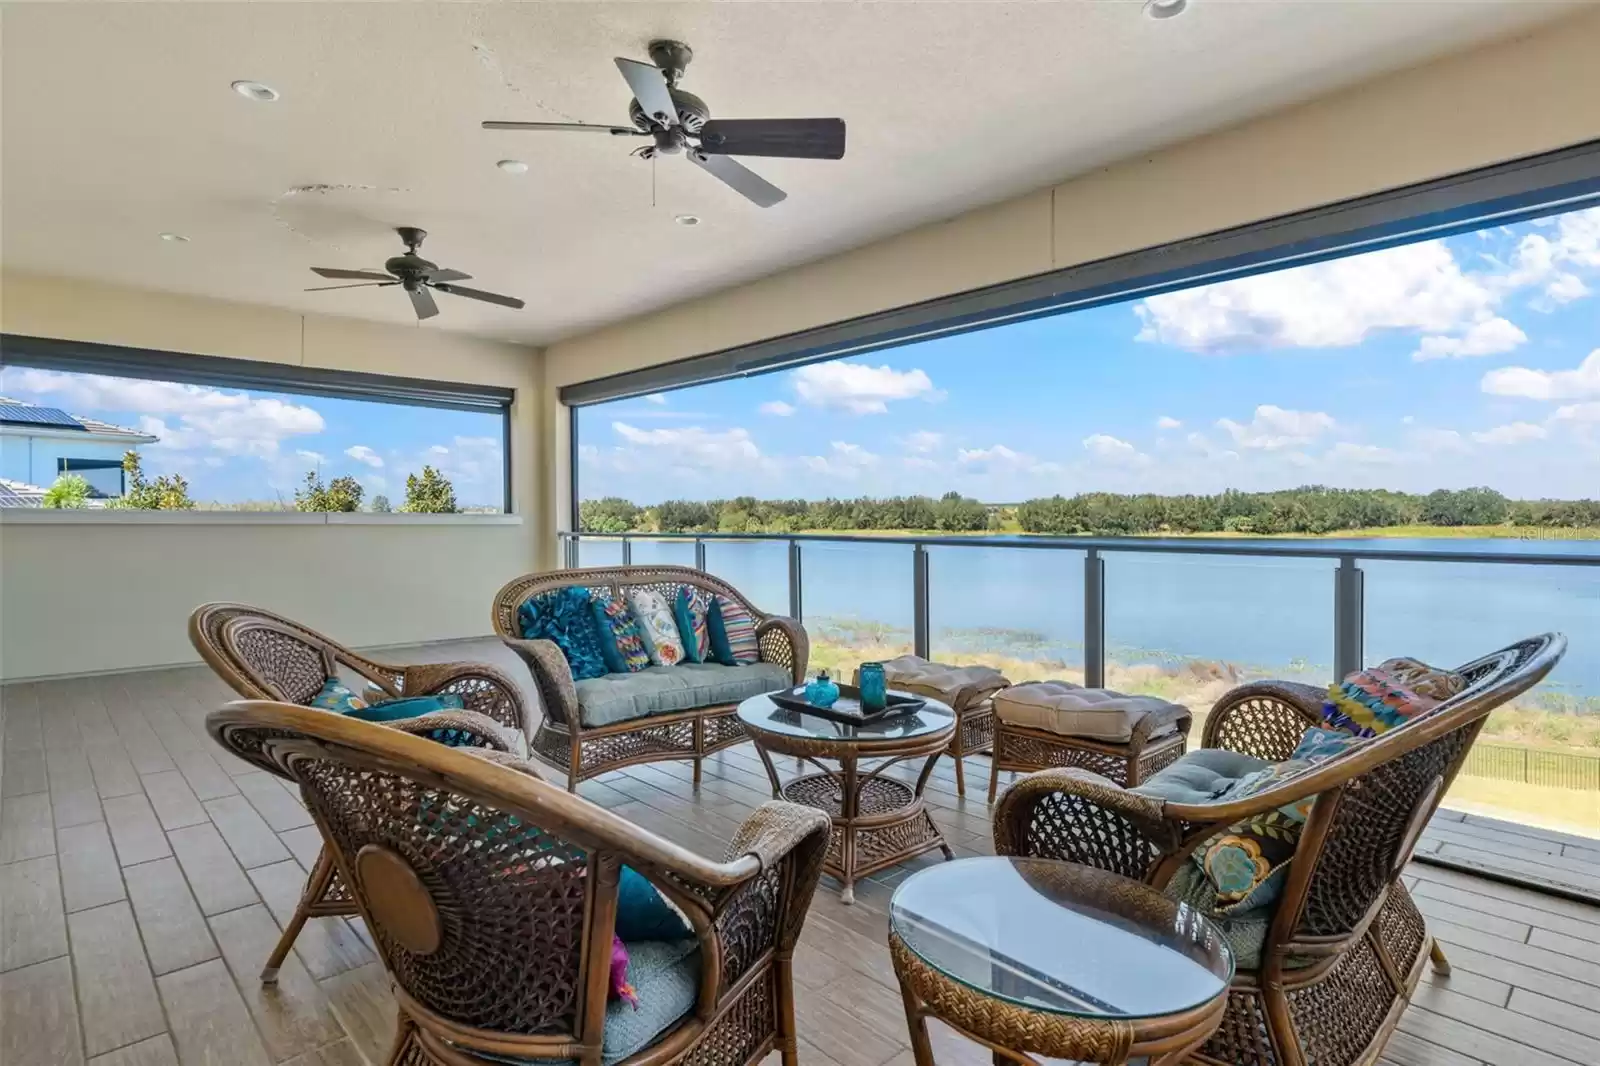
733, 633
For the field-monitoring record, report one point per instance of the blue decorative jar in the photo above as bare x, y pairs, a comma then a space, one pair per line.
821, 692
874, 688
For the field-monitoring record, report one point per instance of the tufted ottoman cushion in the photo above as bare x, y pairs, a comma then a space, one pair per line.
960, 688
1095, 713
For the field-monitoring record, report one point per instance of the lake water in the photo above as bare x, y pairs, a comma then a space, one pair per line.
1266, 615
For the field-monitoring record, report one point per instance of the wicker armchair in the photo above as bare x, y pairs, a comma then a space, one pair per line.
585, 751
1345, 946
492, 898
262, 655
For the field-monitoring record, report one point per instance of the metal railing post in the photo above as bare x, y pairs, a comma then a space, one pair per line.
1349, 616
1094, 619
794, 580
920, 588
569, 545
699, 554
627, 552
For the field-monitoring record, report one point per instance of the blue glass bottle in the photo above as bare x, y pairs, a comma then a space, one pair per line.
874, 688
821, 692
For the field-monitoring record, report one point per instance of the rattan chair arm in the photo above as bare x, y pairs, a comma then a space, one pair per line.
776, 834
483, 732
775, 829
1265, 719
784, 641
483, 688
507, 759
1081, 817
552, 676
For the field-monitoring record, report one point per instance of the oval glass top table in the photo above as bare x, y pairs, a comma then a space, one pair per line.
1039, 957
878, 820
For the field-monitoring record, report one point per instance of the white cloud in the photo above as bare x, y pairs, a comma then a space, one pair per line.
311, 457
693, 444
1274, 427
858, 388
1578, 412
1104, 446
1439, 440
1491, 336
843, 460
924, 441
363, 454
918, 462
1541, 260
1512, 433
777, 409
197, 416
1202, 445
656, 398
1565, 288
1577, 384
999, 455
474, 466
1349, 452
1168, 422
1326, 305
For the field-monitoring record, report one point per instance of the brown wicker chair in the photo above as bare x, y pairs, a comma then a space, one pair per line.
262, 655
1345, 946
492, 896
584, 751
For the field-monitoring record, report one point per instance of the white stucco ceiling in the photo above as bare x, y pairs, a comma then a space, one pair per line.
118, 124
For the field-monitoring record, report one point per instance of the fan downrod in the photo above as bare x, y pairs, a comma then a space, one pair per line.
412, 237
672, 57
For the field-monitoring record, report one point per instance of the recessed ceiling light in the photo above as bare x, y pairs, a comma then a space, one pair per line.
254, 90
1165, 9
513, 166
686, 220
176, 238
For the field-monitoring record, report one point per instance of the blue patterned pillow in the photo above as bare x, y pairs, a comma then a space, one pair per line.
689, 608
566, 618
404, 707
620, 640
336, 697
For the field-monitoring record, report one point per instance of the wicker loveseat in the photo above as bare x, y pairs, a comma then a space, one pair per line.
671, 712
492, 898
1324, 977
261, 655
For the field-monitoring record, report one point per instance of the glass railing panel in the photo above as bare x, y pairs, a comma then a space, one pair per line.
857, 603
647, 552
1019, 610
759, 569
1188, 628
599, 552
1537, 761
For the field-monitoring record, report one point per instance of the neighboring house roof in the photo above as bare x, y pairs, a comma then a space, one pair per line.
21, 416
19, 493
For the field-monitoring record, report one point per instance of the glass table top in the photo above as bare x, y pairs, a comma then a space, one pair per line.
1060, 938
765, 716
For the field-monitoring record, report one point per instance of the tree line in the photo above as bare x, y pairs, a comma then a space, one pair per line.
1311, 509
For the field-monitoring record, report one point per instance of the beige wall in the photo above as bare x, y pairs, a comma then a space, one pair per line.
1510, 99
108, 594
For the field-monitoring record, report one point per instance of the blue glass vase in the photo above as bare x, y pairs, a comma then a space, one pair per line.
874, 688
821, 692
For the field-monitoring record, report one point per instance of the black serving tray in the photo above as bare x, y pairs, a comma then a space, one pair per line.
847, 708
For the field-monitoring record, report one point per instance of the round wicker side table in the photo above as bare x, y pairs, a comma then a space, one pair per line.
1034, 957
878, 821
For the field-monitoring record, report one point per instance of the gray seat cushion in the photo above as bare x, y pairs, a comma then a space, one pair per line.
1200, 776
667, 689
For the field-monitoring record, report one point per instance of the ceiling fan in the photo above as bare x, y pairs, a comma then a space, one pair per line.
417, 275
680, 122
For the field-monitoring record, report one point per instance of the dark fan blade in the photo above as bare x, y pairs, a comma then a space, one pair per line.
615, 131
791, 138
422, 301
745, 182
649, 87
351, 275
356, 285
479, 294
448, 275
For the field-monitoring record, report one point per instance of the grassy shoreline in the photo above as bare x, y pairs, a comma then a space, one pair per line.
1419, 532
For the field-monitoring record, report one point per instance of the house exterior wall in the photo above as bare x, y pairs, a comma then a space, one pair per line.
35, 458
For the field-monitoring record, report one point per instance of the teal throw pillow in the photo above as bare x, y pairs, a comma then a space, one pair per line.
566, 617
733, 632
404, 707
336, 697
643, 913
689, 609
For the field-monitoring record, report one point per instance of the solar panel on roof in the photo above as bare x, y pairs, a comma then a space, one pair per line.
19, 414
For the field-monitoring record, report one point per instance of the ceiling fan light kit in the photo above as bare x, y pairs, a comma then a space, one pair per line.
679, 123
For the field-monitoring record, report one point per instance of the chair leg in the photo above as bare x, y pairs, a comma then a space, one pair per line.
1441, 965
994, 777
316, 887
697, 761
961, 777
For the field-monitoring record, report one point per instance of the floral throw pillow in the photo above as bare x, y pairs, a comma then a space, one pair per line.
733, 632
566, 618
620, 640
657, 626
336, 697
1371, 702
690, 607
1248, 862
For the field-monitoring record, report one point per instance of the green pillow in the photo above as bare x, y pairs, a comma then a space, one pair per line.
404, 707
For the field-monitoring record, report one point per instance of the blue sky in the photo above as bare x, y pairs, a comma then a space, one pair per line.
234, 446
1469, 361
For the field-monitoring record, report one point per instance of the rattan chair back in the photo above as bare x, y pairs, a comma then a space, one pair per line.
266, 656
613, 579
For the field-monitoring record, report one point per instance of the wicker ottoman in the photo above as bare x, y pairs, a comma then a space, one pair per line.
1040, 725
968, 690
